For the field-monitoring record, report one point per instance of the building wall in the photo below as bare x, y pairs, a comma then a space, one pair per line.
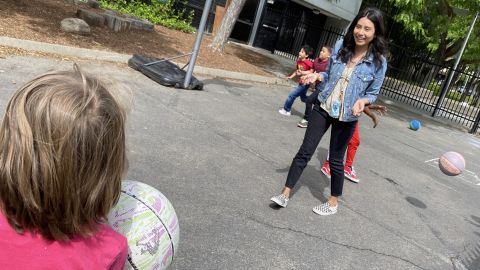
336, 23
340, 9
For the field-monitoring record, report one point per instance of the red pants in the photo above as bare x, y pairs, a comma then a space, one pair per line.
352, 147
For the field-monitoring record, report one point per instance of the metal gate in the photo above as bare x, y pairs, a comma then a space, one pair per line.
418, 80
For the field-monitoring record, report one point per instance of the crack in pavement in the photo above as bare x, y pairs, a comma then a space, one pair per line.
456, 262
241, 146
228, 138
405, 238
333, 242
446, 259
216, 131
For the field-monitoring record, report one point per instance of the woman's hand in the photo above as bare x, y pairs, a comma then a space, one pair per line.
358, 107
311, 78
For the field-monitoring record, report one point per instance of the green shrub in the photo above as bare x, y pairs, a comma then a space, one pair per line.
156, 12
453, 95
433, 86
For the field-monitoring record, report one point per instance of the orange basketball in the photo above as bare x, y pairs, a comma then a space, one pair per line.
451, 163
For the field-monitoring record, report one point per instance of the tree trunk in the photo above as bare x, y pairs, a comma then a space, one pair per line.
226, 27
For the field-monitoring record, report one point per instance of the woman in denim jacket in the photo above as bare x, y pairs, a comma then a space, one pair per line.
353, 80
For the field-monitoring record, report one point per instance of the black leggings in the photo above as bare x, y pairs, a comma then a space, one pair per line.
311, 100
340, 136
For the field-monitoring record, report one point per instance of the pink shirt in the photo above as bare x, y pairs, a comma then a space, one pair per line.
106, 249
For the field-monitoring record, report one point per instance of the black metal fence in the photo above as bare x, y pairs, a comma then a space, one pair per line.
290, 42
298, 29
419, 79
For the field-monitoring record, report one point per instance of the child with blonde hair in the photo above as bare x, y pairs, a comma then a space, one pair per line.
62, 158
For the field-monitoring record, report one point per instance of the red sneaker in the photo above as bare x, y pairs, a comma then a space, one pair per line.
326, 169
350, 174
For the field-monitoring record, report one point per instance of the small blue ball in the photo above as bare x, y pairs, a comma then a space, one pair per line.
415, 124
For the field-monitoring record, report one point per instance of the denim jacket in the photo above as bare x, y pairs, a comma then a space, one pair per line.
365, 81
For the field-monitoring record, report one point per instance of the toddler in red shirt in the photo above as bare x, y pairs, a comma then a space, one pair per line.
304, 66
62, 158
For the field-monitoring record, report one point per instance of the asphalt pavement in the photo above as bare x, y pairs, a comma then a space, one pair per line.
220, 154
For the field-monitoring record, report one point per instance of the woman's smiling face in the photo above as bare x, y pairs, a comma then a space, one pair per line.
364, 32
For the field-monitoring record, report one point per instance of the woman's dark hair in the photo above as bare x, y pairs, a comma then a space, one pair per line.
378, 47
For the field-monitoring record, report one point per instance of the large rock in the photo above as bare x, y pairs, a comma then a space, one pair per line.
75, 25
139, 24
111, 12
122, 22
75, 2
117, 24
90, 17
93, 3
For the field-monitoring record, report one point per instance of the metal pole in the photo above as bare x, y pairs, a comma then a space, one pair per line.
198, 40
475, 124
168, 59
452, 71
258, 15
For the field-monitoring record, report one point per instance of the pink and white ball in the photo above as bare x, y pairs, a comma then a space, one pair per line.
451, 163
149, 222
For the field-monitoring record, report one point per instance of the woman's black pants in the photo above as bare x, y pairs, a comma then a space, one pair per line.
341, 134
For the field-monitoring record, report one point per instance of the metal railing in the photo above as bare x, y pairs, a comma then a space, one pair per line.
418, 80
294, 33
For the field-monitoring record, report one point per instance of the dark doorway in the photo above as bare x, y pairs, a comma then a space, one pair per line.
287, 26
270, 24
312, 35
243, 27
300, 26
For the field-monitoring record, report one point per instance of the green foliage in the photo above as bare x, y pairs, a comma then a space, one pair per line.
442, 25
452, 94
156, 12
435, 88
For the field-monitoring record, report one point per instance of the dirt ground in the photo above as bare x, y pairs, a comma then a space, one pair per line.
39, 20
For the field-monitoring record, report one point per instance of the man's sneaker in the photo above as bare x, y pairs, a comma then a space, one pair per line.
303, 123
325, 209
282, 111
326, 169
281, 200
350, 174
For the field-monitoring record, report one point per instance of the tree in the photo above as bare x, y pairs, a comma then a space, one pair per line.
226, 27
442, 25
